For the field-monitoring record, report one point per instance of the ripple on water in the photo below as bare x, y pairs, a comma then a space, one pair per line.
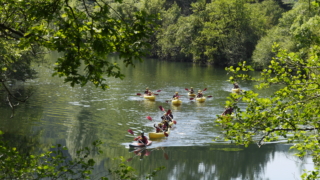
76, 103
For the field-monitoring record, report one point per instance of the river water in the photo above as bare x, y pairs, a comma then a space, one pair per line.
75, 117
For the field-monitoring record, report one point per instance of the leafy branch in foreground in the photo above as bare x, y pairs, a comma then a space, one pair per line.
85, 32
56, 164
53, 164
123, 171
291, 112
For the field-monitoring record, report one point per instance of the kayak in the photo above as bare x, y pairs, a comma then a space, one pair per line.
154, 135
136, 144
237, 90
193, 95
152, 97
176, 101
201, 99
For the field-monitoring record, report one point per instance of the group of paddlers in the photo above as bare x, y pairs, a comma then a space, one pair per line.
167, 117
191, 91
199, 95
166, 120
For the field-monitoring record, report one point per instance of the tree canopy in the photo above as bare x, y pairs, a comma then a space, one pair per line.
85, 32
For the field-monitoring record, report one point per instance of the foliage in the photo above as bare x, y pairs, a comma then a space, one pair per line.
297, 31
55, 164
86, 32
123, 171
291, 112
221, 32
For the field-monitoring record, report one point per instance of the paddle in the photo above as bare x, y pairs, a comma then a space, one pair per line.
165, 154
149, 118
186, 89
138, 94
130, 131
209, 96
191, 99
166, 134
159, 91
161, 108
204, 89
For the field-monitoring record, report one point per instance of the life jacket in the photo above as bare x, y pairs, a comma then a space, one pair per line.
165, 126
158, 129
143, 139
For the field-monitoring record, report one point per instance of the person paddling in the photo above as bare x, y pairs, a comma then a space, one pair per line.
199, 95
158, 128
147, 91
228, 111
165, 126
236, 86
191, 91
176, 96
142, 139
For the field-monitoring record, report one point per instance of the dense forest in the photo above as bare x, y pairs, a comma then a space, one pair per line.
218, 32
225, 32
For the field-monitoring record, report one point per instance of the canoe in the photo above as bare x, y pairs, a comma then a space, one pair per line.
136, 144
176, 101
193, 95
155, 135
152, 97
237, 90
201, 99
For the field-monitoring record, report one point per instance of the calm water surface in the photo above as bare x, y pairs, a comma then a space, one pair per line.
75, 117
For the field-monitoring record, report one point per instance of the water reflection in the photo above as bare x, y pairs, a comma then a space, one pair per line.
222, 162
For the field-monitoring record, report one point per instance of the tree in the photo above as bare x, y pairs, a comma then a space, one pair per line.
297, 31
85, 32
291, 112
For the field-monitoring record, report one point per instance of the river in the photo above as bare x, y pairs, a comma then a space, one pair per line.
75, 117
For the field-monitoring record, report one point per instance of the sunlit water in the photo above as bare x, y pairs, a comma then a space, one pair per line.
75, 117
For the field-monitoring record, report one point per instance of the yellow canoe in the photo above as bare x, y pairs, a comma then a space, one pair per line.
154, 135
201, 99
152, 97
193, 95
237, 90
176, 101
